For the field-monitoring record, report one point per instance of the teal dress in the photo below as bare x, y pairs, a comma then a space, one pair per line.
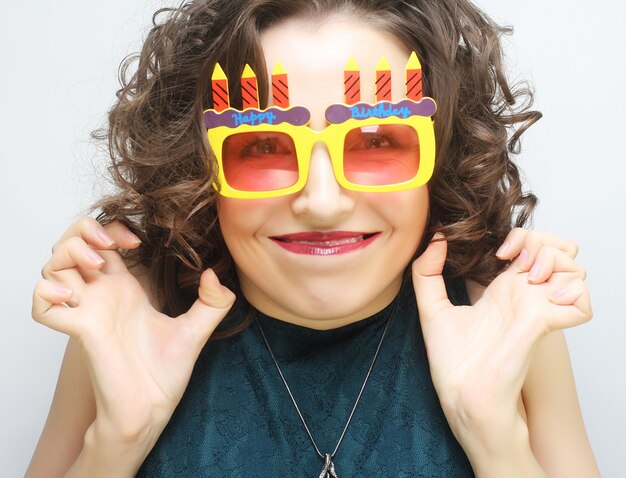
237, 420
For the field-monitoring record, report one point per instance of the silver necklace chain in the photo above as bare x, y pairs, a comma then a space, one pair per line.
329, 467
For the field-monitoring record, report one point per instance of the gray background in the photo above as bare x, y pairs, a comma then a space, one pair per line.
58, 78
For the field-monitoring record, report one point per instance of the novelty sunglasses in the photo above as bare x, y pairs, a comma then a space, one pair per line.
373, 148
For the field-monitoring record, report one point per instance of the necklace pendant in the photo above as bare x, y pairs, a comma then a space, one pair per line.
329, 468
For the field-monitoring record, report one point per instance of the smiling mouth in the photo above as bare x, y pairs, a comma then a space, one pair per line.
325, 243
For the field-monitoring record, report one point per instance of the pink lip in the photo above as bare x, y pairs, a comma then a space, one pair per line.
325, 243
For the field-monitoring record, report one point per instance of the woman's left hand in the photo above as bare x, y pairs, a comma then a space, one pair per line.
479, 355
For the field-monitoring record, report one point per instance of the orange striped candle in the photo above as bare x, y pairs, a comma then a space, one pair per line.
249, 93
352, 83
280, 87
383, 81
219, 86
414, 78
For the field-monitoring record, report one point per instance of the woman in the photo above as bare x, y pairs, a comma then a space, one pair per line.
140, 392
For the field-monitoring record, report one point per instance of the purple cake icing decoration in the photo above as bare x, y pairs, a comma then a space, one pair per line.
337, 114
297, 116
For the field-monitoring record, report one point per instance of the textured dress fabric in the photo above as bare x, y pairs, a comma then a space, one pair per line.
236, 418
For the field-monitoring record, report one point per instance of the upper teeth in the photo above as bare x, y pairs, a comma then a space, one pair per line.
335, 242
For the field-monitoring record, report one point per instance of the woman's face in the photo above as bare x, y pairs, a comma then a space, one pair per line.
311, 281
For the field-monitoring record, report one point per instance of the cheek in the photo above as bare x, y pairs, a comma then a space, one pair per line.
407, 215
243, 215
406, 211
238, 223
242, 220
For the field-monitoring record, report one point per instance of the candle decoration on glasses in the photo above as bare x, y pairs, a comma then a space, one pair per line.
219, 87
280, 87
352, 83
414, 85
383, 81
249, 90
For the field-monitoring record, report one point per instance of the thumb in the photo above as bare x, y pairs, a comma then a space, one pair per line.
430, 289
213, 303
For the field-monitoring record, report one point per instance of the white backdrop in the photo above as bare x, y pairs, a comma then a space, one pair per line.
59, 63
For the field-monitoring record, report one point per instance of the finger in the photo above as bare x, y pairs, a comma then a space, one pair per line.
48, 308
70, 279
519, 239
212, 293
572, 305
543, 266
122, 235
71, 253
549, 261
430, 288
74, 263
113, 262
112, 236
512, 245
213, 303
90, 230
75, 252
571, 293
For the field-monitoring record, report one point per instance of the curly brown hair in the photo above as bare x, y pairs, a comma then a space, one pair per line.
163, 168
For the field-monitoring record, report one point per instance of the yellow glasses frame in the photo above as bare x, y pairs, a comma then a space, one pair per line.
333, 136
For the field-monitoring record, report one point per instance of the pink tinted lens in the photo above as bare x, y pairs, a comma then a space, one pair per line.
259, 161
380, 155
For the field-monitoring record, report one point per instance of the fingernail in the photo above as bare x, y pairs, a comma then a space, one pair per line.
132, 237
504, 248
62, 289
104, 237
559, 293
523, 258
212, 283
95, 257
216, 286
534, 272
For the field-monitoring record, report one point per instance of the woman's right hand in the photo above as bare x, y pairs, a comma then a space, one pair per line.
140, 359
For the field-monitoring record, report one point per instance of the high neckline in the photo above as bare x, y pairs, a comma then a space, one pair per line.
282, 326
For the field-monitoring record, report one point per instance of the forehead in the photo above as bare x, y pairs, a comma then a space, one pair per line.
314, 54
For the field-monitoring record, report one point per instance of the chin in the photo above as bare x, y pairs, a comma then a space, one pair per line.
326, 304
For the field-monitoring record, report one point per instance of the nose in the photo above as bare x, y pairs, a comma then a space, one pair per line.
323, 202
